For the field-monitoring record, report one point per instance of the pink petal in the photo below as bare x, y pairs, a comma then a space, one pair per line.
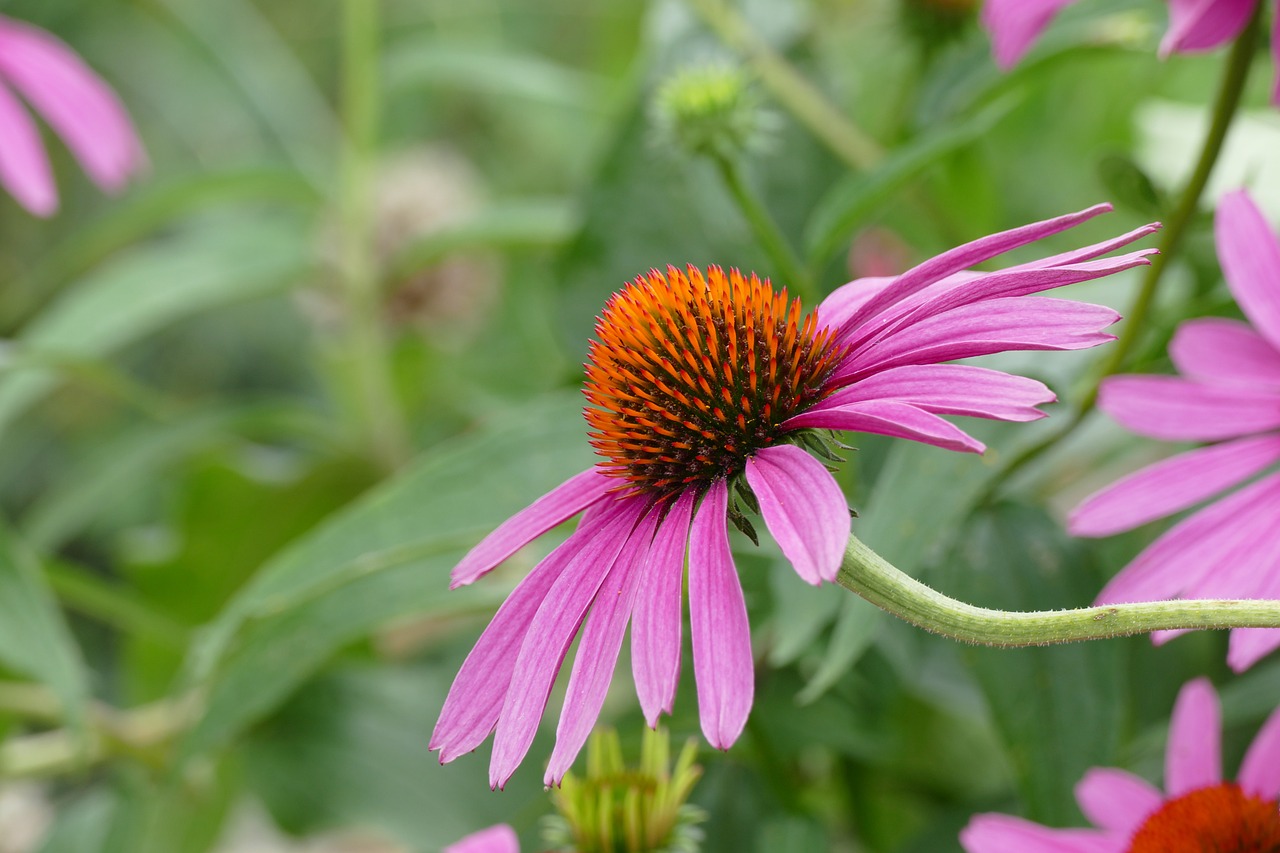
1260, 770
1219, 351
1204, 24
961, 258
656, 624
722, 663
550, 633
999, 325
598, 651
1250, 645
891, 418
495, 839
1172, 485
1210, 541
24, 167
952, 389
1116, 800
1085, 253
843, 302
75, 101
1193, 755
1250, 258
555, 507
999, 833
803, 508
1014, 26
1174, 409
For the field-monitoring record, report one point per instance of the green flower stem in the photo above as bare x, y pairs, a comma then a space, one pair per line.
1230, 90
366, 342
766, 230
872, 577
792, 90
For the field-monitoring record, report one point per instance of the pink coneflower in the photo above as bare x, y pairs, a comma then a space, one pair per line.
704, 392
1197, 813
496, 839
1194, 25
75, 102
1229, 393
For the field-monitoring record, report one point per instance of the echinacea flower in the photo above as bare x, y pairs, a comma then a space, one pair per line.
1194, 25
1196, 813
704, 392
76, 103
1228, 394
496, 839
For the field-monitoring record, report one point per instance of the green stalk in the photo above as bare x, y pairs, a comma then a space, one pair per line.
869, 575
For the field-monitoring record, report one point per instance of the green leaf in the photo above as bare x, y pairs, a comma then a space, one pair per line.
388, 556
1128, 184
149, 288
34, 637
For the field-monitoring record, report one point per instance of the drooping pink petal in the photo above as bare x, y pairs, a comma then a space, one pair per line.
555, 507
495, 839
891, 418
952, 389
24, 166
999, 833
1217, 350
1175, 409
961, 258
75, 101
1193, 754
550, 633
1203, 24
722, 662
1260, 770
803, 507
1116, 800
656, 623
1172, 485
1202, 543
1014, 25
1250, 258
1250, 645
999, 325
598, 649
475, 700
843, 302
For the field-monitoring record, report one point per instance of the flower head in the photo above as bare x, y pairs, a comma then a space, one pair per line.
1196, 812
1228, 394
1194, 25
705, 391
76, 103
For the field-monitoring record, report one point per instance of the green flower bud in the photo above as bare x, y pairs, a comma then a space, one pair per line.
710, 110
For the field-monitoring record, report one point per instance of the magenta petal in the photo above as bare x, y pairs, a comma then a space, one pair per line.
1116, 800
843, 302
803, 508
1014, 25
952, 389
656, 623
598, 651
555, 507
999, 833
1250, 645
1204, 24
722, 662
1250, 258
24, 166
495, 839
1174, 409
1260, 770
550, 633
1193, 755
891, 418
1085, 253
1216, 350
1172, 485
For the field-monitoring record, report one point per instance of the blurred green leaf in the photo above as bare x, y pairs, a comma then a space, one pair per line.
387, 556
1128, 184
83, 824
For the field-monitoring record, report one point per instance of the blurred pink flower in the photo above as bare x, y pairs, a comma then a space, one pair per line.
1194, 25
704, 393
1197, 811
496, 839
1229, 392
76, 103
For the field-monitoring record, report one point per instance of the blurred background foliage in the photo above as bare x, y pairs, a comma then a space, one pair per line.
255, 408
